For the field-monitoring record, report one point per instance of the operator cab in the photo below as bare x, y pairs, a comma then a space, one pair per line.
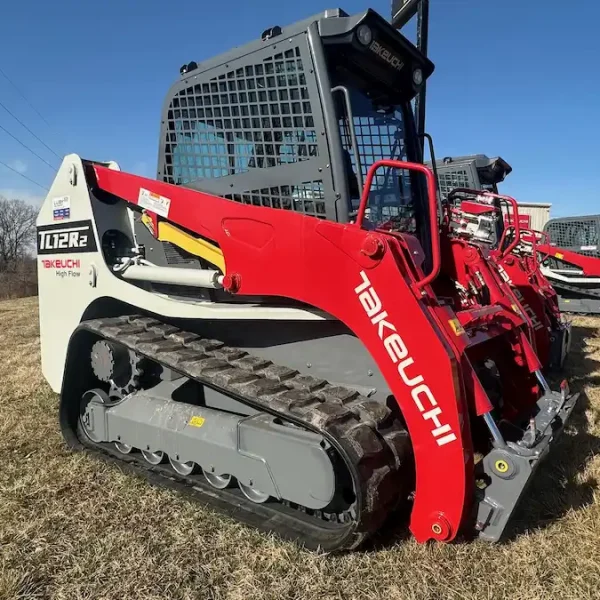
374, 74
295, 120
476, 171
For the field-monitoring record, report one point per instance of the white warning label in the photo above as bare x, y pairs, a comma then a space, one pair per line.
154, 202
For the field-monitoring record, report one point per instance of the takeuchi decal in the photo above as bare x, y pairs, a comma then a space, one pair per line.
399, 355
386, 55
61, 263
65, 268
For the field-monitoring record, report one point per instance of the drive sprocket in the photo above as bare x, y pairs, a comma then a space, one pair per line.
118, 366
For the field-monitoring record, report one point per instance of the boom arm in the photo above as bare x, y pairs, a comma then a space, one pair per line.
353, 275
588, 264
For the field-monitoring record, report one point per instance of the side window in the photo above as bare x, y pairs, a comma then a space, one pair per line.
254, 117
380, 134
451, 179
573, 234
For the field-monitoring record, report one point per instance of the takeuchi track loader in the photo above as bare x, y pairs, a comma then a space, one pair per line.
572, 261
280, 323
470, 185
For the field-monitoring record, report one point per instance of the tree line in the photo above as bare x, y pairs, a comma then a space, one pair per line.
18, 269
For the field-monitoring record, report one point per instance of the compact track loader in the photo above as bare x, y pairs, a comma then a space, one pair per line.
470, 184
572, 261
281, 323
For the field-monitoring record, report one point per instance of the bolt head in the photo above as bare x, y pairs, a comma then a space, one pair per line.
232, 282
373, 247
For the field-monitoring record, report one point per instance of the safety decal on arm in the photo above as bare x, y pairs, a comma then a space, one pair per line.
155, 202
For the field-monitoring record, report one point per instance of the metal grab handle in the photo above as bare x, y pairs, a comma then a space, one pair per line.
344, 90
539, 238
508, 200
432, 197
517, 225
429, 139
533, 241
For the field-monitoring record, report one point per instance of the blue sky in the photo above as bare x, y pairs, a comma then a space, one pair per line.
517, 78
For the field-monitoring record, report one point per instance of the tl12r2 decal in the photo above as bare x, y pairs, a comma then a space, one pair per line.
76, 237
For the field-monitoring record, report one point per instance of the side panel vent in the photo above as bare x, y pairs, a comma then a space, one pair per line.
178, 256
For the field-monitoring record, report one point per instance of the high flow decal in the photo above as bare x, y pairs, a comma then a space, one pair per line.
77, 236
63, 267
386, 55
398, 352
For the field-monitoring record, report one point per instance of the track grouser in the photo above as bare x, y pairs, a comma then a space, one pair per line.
285, 323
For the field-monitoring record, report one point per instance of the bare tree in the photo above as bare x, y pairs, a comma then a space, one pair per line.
17, 232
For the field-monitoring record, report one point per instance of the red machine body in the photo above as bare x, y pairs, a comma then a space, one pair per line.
374, 282
590, 266
570, 261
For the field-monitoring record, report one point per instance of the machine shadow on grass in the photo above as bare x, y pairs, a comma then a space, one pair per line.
556, 488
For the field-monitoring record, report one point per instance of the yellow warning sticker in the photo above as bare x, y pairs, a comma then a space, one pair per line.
197, 421
456, 327
559, 256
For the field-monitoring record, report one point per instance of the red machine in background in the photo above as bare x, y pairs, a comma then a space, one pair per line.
571, 262
479, 216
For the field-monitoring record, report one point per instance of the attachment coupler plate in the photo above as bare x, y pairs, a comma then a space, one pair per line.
509, 469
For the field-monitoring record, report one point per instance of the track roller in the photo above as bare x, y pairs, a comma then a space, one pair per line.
217, 481
183, 468
154, 458
253, 494
123, 448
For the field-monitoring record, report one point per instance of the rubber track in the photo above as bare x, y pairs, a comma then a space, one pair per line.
582, 304
574, 288
373, 444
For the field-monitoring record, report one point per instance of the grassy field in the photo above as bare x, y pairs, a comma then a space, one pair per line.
72, 527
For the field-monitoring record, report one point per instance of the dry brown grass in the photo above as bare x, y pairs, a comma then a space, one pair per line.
72, 527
